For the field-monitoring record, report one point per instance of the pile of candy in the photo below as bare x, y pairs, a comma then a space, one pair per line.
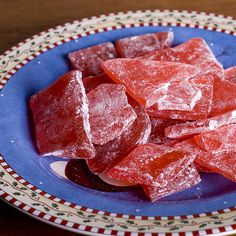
143, 112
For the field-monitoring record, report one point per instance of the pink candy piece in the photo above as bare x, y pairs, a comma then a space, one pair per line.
218, 141
230, 74
194, 52
188, 129
88, 60
200, 110
151, 164
61, 118
186, 179
109, 112
147, 81
140, 45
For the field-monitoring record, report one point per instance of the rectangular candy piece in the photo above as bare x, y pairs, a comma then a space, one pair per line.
186, 179
194, 52
109, 112
217, 141
230, 74
200, 110
223, 97
151, 164
188, 129
147, 81
88, 60
136, 46
61, 118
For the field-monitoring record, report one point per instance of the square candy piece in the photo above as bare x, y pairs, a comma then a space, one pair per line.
88, 60
151, 164
186, 179
109, 112
145, 80
61, 118
136, 46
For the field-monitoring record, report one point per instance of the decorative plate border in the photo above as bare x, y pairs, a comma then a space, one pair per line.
28, 198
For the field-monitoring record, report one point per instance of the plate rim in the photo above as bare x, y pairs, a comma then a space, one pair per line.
9, 67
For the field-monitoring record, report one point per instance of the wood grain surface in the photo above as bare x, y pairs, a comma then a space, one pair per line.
20, 19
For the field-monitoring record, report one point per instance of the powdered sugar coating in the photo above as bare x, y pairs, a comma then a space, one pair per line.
61, 118
110, 113
147, 81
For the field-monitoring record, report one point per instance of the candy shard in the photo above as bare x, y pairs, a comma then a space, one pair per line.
111, 153
230, 74
61, 118
110, 113
136, 46
186, 179
151, 164
88, 60
147, 81
218, 141
188, 129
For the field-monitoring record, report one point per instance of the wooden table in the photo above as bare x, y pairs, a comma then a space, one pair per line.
20, 19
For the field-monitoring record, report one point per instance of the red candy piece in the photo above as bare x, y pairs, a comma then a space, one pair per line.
92, 82
111, 153
201, 168
147, 81
188, 129
151, 164
140, 45
61, 118
200, 110
186, 179
88, 60
157, 135
109, 112
194, 52
223, 97
230, 74
217, 141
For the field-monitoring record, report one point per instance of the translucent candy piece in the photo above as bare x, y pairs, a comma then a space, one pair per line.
151, 164
157, 135
140, 45
218, 141
188, 129
186, 179
111, 153
88, 60
200, 110
91, 82
182, 96
223, 97
61, 118
109, 112
222, 163
147, 81
201, 168
230, 74
194, 52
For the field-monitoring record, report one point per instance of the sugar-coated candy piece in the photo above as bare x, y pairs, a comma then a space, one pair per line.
151, 164
91, 82
200, 110
61, 118
194, 52
88, 60
139, 45
147, 81
223, 97
190, 128
186, 179
111, 153
218, 141
109, 112
230, 74
157, 135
